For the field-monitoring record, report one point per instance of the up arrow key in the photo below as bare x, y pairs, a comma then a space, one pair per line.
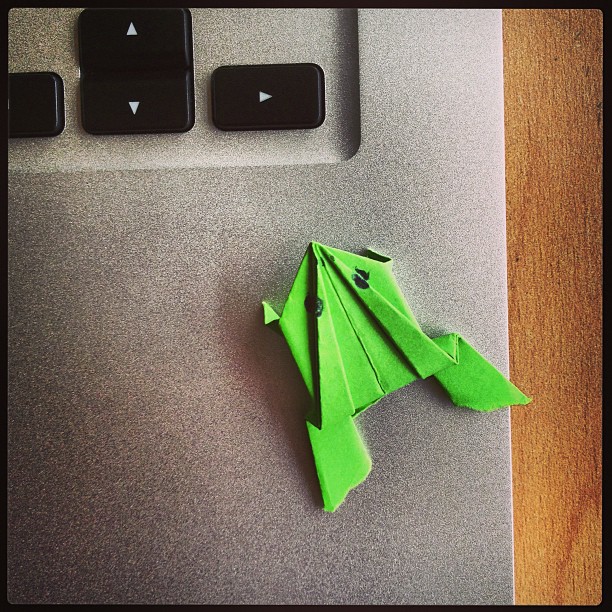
134, 106
132, 30
263, 96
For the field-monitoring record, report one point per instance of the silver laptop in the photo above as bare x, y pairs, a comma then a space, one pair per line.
157, 447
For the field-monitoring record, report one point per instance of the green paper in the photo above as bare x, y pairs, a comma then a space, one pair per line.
355, 340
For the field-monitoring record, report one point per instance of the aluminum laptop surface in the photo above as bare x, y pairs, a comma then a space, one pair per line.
157, 451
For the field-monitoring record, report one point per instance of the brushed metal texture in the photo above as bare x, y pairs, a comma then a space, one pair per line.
157, 448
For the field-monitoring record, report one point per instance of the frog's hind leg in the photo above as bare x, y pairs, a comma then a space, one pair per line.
473, 381
341, 459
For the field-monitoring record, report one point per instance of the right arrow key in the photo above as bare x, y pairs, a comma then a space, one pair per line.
268, 97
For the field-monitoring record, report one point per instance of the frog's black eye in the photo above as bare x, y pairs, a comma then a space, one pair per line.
363, 273
361, 278
314, 305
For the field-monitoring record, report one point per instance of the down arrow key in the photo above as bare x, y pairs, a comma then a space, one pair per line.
128, 103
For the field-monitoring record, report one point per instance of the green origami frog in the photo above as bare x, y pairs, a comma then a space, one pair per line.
354, 339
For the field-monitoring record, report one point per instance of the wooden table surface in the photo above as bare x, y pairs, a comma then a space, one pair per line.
554, 124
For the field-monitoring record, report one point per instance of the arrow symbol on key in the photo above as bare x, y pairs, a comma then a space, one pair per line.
134, 106
132, 30
263, 96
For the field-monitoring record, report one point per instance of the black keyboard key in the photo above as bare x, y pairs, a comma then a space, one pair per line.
129, 103
36, 104
128, 40
268, 97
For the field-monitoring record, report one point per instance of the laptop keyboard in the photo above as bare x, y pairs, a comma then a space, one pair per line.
136, 71
137, 76
269, 97
139, 91
135, 40
36, 104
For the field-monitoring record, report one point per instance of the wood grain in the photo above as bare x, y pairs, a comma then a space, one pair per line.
553, 102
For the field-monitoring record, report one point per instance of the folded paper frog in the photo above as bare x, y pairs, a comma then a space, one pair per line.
355, 340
